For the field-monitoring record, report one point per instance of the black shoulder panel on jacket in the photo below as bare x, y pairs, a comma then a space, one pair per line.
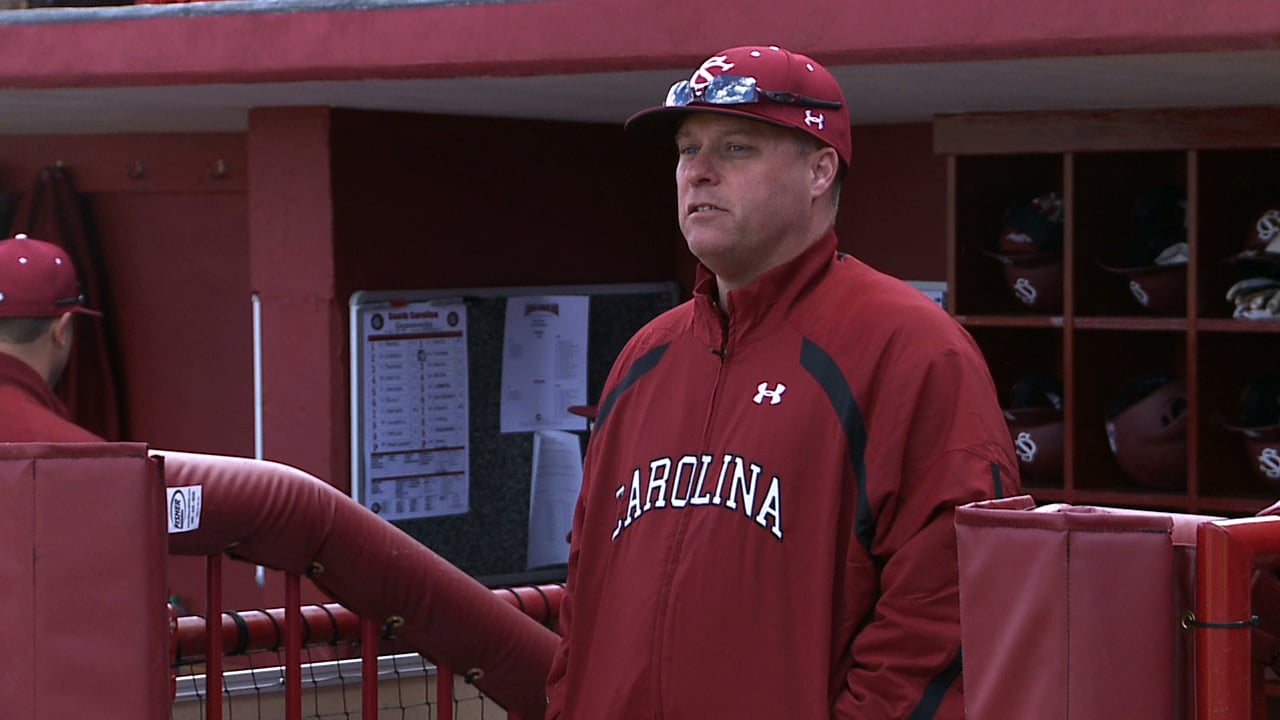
642, 365
824, 369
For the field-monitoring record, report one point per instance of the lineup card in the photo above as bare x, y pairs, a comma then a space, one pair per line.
415, 459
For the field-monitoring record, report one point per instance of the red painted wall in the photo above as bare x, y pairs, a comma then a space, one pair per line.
893, 205
175, 243
429, 201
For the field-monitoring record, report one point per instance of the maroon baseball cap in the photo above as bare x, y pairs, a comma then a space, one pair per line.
759, 82
37, 279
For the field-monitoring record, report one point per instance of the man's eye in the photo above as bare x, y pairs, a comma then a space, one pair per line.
686, 150
737, 148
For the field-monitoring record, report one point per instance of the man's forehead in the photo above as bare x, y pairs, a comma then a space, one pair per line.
724, 124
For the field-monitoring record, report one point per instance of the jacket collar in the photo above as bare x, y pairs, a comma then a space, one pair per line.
764, 302
21, 375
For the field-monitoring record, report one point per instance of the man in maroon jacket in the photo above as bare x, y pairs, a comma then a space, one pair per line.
39, 299
765, 527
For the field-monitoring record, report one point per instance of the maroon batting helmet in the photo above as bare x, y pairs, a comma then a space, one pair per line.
1147, 428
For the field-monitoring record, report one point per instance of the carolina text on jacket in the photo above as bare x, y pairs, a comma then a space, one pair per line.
681, 484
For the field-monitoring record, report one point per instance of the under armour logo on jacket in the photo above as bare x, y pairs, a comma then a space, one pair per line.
820, 119
774, 395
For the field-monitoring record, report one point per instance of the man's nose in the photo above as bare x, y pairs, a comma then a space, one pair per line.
699, 168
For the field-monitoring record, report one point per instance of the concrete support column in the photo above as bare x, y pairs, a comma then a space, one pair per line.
291, 251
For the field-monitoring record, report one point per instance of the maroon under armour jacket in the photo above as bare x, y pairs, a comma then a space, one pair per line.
765, 523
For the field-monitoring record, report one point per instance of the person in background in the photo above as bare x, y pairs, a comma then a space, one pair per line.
765, 527
39, 301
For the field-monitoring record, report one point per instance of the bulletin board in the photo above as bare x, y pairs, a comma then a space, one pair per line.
488, 537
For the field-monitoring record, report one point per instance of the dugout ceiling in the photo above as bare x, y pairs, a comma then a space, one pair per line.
201, 66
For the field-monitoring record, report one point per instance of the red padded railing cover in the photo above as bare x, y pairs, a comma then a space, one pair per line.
82, 590
1074, 613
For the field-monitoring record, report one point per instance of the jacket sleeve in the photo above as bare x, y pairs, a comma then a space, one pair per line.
940, 442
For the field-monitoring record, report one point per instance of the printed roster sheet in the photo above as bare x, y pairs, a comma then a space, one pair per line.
414, 447
544, 362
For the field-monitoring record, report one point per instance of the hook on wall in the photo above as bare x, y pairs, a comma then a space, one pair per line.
218, 169
135, 170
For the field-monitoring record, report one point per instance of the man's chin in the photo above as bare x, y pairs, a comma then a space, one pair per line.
706, 243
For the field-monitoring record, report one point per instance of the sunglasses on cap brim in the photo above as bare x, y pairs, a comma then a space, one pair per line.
738, 90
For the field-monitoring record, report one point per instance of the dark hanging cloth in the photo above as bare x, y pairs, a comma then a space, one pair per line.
8, 203
54, 212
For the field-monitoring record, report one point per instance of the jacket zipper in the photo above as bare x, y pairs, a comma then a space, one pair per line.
674, 550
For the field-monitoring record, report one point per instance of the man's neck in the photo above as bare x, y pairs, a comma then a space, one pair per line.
30, 355
724, 286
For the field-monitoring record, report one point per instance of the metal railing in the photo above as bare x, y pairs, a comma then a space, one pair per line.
294, 627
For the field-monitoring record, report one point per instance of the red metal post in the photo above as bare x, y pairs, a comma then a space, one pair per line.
444, 693
1228, 687
369, 632
213, 637
293, 647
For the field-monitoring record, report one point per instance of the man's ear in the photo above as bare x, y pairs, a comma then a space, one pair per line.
63, 329
825, 168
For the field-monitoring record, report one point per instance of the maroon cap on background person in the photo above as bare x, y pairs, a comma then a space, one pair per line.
759, 82
37, 279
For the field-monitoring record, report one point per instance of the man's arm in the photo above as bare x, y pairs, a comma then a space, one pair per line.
942, 441
906, 661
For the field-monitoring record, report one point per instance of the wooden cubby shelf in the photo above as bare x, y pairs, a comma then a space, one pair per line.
1117, 321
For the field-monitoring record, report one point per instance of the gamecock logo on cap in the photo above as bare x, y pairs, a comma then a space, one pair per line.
704, 75
1026, 447
1025, 291
1269, 463
1269, 225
